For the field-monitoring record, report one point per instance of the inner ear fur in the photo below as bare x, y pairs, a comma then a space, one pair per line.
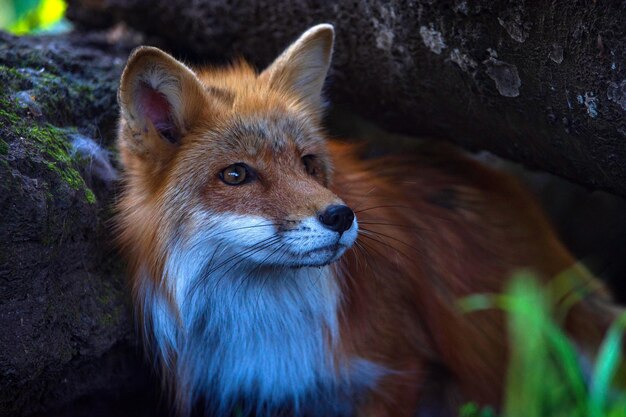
160, 99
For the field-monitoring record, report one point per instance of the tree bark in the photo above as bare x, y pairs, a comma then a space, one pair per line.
66, 329
543, 83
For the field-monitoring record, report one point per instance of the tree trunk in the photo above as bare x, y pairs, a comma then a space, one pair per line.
543, 83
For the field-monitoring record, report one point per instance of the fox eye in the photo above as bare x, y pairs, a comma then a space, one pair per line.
311, 164
236, 174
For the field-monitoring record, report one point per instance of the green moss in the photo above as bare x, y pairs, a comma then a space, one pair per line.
12, 72
64, 98
90, 196
85, 92
11, 77
7, 117
69, 175
51, 142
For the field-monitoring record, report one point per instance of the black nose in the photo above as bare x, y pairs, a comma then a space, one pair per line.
337, 217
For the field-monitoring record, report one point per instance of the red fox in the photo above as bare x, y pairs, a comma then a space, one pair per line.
276, 273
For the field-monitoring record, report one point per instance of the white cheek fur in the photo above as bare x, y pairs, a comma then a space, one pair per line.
254, 240
311, 234
245, 332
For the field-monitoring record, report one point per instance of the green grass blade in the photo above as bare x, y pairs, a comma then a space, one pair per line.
607, 363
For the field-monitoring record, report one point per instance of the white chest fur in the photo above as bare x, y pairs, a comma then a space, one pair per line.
266, 335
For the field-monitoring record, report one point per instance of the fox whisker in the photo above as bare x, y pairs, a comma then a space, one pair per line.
256, 268
234, 261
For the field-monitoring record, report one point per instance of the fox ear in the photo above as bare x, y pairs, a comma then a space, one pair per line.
303, 66
160, 99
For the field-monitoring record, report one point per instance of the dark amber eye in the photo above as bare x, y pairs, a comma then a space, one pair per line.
311, 164
236, 174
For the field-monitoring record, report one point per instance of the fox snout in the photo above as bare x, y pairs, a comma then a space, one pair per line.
337, 217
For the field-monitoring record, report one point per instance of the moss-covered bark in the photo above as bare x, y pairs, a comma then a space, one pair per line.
65, 324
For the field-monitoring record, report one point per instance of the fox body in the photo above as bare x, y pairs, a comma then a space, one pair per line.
276, 273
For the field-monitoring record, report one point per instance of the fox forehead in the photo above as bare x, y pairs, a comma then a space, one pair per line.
253, 116
267, 132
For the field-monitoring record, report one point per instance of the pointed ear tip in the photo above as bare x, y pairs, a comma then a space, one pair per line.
143, 51
137, 55
323, 29
324, 26
136, 60
140, 57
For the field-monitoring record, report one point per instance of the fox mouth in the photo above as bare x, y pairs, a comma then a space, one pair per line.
318, 257
334, 248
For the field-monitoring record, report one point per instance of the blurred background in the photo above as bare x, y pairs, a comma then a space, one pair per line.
33, 16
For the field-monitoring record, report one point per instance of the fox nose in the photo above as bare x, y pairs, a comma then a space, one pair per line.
337, 217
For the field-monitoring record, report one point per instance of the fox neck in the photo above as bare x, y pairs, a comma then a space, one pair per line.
243, 332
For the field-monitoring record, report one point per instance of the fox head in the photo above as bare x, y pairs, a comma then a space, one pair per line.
231, 159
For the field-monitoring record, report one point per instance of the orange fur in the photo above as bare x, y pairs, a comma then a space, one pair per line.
435, 226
